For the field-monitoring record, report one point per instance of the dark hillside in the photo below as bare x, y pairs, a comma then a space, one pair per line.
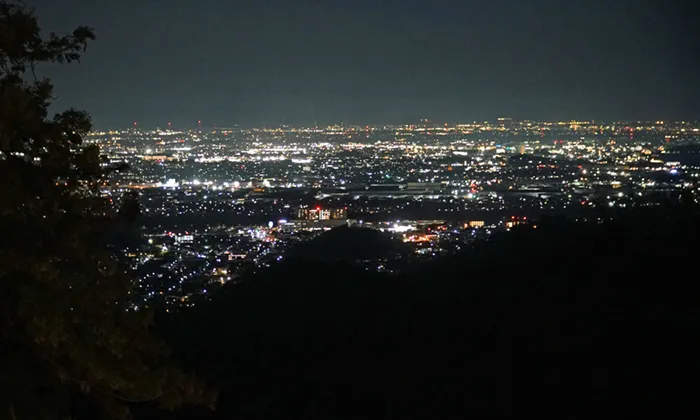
566, 320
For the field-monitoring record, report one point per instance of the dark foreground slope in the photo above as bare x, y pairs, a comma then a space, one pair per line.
566, 320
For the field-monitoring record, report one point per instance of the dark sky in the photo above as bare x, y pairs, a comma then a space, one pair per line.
268, 62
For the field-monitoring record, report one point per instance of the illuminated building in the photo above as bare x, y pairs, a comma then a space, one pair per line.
339, 213
308, 214
184, 239
476, 223
318, 213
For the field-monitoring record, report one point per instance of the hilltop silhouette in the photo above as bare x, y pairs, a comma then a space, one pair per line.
347, 244
565, 320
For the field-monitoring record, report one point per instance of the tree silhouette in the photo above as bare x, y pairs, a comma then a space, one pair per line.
130, 208
65, 327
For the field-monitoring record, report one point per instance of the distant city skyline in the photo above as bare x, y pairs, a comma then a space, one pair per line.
203, 124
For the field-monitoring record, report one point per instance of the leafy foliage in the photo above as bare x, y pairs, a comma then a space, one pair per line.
65, 328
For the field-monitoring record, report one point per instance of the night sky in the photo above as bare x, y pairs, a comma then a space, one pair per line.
270, 62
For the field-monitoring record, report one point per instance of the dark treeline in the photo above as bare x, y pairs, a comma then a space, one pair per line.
568, 320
